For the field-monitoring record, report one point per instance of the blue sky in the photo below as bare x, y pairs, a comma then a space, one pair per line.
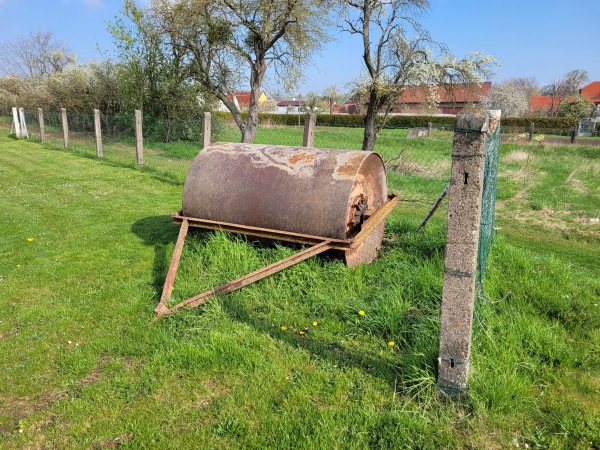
530, 38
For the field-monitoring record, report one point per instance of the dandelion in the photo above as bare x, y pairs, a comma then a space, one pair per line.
18, 265
391, 343
283, 328
361, 313
301, 333
30, 239
315, 324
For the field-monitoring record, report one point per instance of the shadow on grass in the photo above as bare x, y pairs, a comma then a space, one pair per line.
159, 232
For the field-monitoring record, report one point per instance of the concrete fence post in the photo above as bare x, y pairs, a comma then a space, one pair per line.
24, 132
139, 138
42, 125
462, 240
98, 133
206, 130
310, 120
65, 127
16, 124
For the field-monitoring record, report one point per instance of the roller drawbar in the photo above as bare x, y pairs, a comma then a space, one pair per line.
323, 198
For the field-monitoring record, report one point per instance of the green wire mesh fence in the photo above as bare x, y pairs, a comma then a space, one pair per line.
488, 203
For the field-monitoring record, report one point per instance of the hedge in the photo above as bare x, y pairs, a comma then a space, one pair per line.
512, 125
548, 125
344, 120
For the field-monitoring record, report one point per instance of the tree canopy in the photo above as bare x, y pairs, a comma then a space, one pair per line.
36, 55
223, 45
512, 96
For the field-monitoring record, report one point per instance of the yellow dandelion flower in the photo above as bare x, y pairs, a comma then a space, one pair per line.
361, 313
301, 333
315, 324
30, 239
283, 328
391, 343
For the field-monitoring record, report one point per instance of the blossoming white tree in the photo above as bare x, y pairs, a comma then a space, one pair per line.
398, 52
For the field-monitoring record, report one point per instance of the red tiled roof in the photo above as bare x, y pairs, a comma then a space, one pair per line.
458, 93
543, 103
591, 91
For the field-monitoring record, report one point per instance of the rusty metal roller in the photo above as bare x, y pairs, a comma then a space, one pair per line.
313, 191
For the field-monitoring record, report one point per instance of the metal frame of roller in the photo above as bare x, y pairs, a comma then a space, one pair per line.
324, 198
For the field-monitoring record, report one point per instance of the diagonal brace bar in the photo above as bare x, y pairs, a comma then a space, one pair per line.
168, 287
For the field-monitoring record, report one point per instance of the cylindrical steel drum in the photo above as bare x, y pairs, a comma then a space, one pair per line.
315, 191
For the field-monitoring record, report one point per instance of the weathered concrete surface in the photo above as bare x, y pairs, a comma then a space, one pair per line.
473, 128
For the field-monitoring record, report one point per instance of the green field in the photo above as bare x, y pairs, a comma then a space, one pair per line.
84, 251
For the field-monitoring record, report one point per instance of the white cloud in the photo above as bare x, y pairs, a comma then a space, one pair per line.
93, 4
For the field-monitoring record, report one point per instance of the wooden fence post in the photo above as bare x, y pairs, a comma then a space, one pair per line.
65, 127
42, 125
462, 242
308, 140
531, 128
573, 133
98, 133
206, 130
16, 125
139, 138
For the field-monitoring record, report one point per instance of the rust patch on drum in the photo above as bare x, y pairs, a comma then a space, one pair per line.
349, 168
301, 157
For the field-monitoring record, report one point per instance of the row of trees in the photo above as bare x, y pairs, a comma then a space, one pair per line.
220, 45
40, 71
177, 57
171, 51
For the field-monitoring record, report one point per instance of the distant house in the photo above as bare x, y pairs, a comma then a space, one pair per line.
542, 105
448, 99
592, 92
289, 106
242, 100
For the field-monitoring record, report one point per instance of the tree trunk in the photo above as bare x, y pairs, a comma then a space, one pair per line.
257, 73
370, 133
369, 136
248, 134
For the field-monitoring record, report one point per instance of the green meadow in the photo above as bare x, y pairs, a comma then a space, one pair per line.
303, 359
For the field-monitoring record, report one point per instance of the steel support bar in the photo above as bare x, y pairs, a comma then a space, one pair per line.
168, 287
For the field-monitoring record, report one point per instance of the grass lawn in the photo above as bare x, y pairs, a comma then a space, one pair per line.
289, 362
